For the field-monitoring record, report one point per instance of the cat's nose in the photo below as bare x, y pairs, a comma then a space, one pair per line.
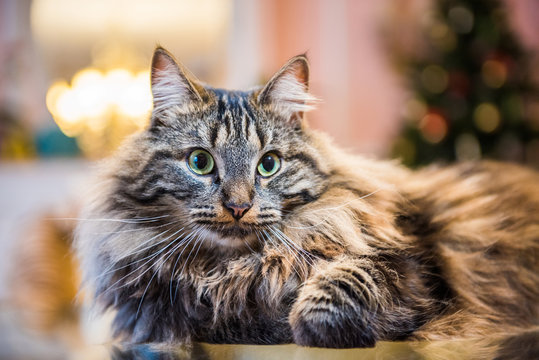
236, 210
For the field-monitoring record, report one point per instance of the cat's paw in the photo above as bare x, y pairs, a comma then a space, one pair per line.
319, 321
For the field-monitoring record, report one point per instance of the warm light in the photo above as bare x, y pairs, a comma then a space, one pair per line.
414, 109
55, 91
137, 98
87, 86
442, 36
68, 110
433, 128
487, 117
101, 107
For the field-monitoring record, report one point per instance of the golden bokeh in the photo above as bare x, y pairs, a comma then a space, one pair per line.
414, 109
487, 117
101, 108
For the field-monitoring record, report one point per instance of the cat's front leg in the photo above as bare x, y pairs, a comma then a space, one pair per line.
342, 305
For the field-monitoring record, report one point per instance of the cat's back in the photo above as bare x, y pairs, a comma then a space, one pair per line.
480, 222
485, 194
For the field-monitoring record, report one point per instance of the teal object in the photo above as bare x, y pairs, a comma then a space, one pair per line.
51, 142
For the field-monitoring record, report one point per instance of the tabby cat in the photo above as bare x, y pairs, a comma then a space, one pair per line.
229, 220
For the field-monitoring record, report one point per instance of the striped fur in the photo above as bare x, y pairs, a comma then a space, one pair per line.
335, 250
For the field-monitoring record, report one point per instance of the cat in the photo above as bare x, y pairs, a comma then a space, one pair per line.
229, 220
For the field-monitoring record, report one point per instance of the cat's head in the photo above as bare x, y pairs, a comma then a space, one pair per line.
229, 165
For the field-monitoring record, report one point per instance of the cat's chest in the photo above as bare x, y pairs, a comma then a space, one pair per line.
241, 303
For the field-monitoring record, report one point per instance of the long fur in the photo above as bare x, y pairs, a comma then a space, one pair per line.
335, 250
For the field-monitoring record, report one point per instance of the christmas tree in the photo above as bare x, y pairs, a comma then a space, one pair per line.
473, 91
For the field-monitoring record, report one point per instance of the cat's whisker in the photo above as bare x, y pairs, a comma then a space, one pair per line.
162, 263
283, 242
137, 229
331, 209
199, 238
275, 245
308, 257
136, 250
126, 221
159, 267
151, 257
111, 268
183, 242
292, 243
187, 241
249, 246
294, 255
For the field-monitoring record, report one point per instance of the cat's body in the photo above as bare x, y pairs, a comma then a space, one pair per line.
230, 221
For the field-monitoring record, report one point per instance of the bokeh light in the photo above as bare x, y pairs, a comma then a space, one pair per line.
494, 73
433, 127
434, 78
461, 19
467, 147
414, 109
487, 117
101, 108
442, 36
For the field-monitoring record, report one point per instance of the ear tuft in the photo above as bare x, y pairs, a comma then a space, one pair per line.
287, 90
170, 85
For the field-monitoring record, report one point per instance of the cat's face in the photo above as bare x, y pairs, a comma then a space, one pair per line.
231, 166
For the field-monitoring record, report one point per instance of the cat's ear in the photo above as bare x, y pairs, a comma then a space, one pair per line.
287, 91
171, 86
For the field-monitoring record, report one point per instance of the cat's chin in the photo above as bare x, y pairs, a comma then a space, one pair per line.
231, 239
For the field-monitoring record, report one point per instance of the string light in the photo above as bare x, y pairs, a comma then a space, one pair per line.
487, 117
434, 78
414, 109
433, 127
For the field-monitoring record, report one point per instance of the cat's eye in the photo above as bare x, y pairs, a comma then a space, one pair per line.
269, 164
201, 162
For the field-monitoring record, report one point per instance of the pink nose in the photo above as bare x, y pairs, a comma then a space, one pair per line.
237, 211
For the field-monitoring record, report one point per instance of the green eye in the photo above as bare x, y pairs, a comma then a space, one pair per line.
201, 162
269, 165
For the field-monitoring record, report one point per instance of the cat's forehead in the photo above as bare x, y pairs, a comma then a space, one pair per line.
233, 103
236, 120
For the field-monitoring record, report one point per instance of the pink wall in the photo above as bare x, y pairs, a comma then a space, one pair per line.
349, 70
362, 93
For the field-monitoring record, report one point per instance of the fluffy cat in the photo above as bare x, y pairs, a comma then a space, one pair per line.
229, 220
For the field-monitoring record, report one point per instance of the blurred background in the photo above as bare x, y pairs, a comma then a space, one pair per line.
419, 80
